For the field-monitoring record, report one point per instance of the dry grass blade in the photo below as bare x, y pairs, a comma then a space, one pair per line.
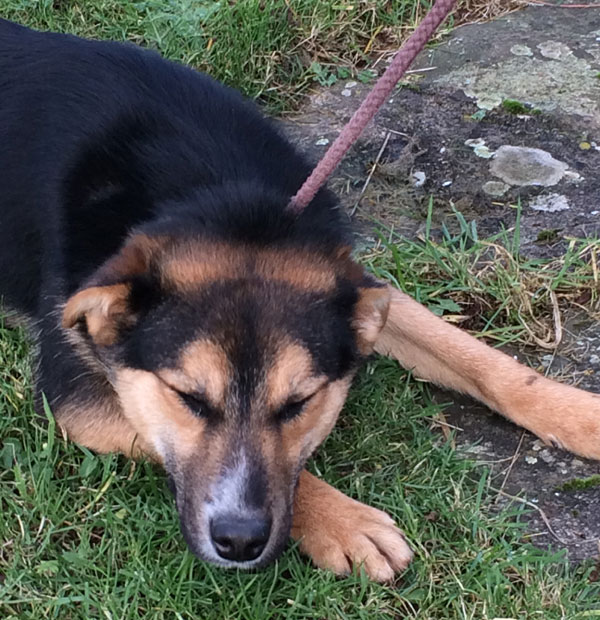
367, 31
372, 171
469, 11
544, 344
513, 460
439, 419
539, 510
488, 288
564, 6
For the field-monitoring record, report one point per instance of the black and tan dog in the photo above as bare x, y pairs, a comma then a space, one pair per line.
182, 313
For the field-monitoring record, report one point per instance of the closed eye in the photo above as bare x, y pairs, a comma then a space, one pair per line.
196, 404
292, 409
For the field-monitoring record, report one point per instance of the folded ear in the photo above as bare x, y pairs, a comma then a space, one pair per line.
105, 304
371, 310
104, 309
370, 315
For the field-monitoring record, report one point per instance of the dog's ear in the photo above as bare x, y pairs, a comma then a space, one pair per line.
372, 306
370, 314
106, 304
105, 310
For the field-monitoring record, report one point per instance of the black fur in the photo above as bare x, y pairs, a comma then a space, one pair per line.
99, 138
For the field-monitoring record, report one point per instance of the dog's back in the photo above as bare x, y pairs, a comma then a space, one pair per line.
101, 137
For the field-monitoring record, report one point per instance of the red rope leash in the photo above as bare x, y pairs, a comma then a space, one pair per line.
384, 86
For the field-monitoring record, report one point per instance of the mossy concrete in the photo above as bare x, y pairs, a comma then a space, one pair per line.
545, 58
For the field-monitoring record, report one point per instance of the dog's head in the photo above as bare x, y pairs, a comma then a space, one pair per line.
231, 362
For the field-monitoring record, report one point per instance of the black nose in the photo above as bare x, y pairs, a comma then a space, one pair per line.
240, 539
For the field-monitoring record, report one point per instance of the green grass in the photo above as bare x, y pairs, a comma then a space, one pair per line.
484, 285
272, 49
87, 536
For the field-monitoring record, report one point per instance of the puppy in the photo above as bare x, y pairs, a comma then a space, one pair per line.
182, 313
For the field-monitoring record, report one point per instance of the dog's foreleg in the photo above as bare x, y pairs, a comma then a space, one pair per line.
339, 533
439, 352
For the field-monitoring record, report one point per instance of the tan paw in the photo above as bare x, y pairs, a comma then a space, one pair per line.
340, 534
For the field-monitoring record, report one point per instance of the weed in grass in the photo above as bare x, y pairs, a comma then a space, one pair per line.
580, 484
513, 106
516, 107
548, 235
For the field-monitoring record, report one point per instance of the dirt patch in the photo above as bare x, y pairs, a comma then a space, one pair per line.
426, 132
562, 516
531, 80
430, 124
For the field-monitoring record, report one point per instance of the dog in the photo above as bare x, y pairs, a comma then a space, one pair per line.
183, 314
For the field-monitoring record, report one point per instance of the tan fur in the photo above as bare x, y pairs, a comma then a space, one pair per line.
203, 367
100, 426
303, 434
196, 264
133, 258
340, 533
103, 303
336, 531
448, 356
291, 373
156, 413
103, 307
285, 449
370, 316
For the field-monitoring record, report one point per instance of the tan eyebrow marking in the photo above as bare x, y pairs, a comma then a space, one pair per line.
203, 368
291, 375
193, 265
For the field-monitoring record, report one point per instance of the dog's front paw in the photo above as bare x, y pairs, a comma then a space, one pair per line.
339, 533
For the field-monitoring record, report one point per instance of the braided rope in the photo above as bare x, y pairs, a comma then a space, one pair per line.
374, 100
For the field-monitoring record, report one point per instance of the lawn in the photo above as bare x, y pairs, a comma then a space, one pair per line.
271, 49
87, 536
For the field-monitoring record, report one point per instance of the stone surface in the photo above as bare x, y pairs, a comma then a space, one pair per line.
558, 75
549, 202
522, 165
547, 60
495, 188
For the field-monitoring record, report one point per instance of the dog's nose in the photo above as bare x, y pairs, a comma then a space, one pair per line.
240, 539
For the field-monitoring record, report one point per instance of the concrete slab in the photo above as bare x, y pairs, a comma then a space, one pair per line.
545, 57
